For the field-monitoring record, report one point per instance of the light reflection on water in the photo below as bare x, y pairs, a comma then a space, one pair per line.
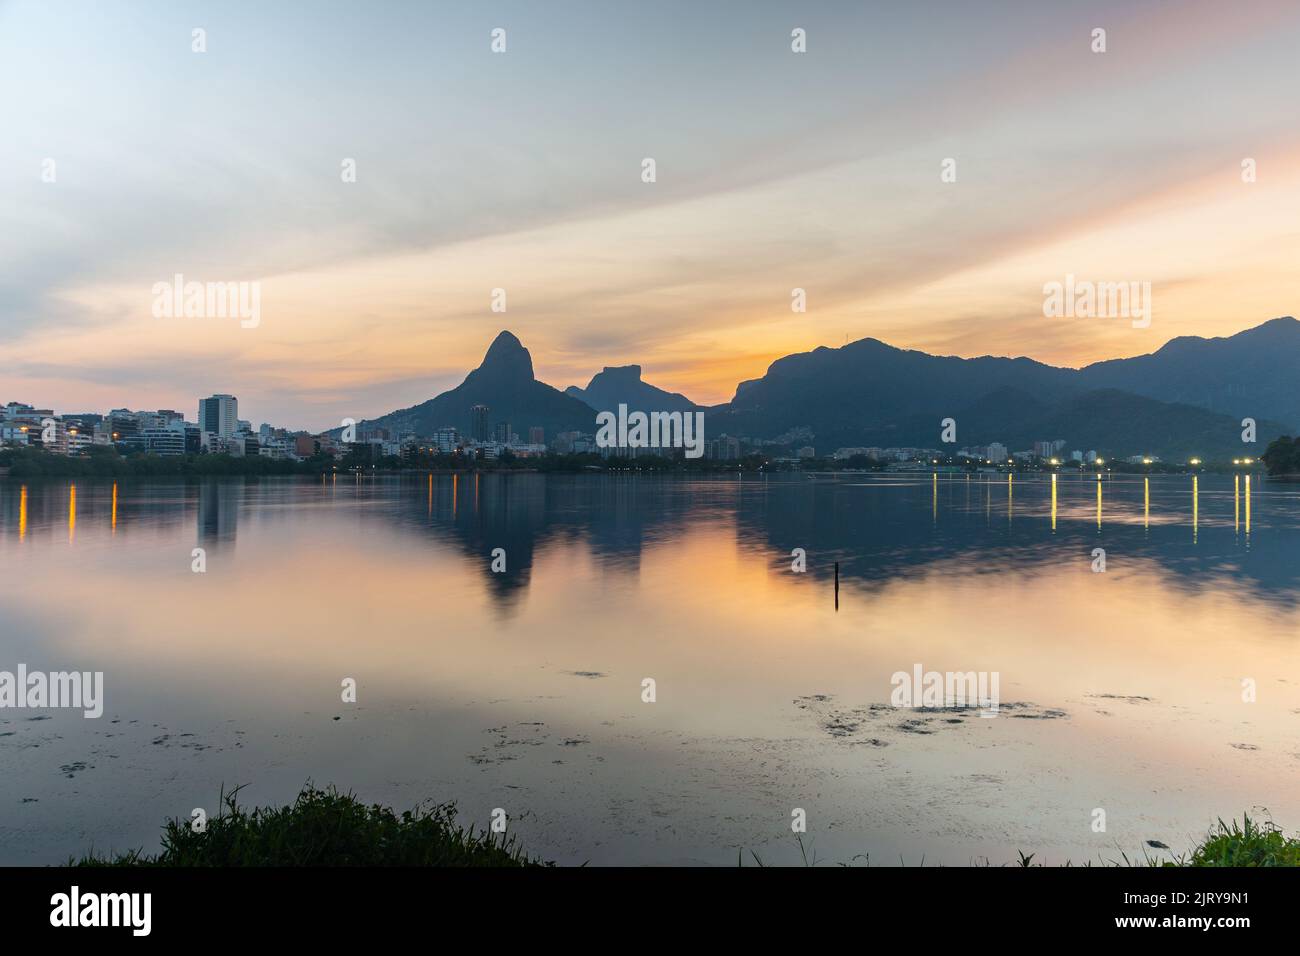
523, 689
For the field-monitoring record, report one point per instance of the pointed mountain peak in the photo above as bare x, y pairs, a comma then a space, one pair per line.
505, 343
507, 356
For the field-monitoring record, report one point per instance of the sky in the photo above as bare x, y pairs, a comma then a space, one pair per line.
522, 170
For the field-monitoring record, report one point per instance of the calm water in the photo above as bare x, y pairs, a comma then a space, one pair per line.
522, 690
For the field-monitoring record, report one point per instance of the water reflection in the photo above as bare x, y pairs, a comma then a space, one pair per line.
1099, 502
217, 515
869, 524
1053, 503
1248, 506
474, 682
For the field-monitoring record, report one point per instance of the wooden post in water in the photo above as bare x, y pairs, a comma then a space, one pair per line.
837, 585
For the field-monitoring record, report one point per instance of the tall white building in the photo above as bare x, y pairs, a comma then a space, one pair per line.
219, 415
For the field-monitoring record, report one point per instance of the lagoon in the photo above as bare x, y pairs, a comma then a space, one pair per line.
1163, 691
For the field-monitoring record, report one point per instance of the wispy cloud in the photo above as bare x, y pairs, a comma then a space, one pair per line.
477, 171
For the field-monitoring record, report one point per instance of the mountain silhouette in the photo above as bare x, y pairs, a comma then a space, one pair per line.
870, 389
1188, 397
621, 384
1250, 374
504, 382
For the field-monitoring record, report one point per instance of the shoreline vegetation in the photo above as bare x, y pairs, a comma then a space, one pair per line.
1282, 458
324, 827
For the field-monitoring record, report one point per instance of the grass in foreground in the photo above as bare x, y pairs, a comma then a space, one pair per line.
324, 828
1249, 843
328, 828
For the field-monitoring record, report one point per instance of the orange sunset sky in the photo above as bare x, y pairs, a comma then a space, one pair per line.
522, 171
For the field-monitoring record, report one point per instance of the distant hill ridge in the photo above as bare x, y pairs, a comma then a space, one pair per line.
1189, 396
622, 384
